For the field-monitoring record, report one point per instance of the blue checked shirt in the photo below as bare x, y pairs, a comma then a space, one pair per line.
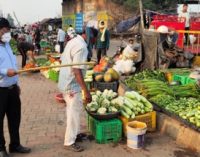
7, 61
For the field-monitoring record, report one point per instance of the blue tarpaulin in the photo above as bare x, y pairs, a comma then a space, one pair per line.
125, 25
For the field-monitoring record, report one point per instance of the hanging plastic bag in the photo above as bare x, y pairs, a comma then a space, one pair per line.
57, 48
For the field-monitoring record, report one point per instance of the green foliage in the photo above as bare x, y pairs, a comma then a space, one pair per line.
147, 4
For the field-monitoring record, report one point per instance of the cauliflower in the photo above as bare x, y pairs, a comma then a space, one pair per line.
93, 106
105, 103
105, 93
114, 94
98, 93
94, 98
112, 109
119, 101
102, 110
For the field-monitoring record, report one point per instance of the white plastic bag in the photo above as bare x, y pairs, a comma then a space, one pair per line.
57, 48
124, 66
129, 53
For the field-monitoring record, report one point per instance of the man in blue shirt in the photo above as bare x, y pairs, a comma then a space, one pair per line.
10, 104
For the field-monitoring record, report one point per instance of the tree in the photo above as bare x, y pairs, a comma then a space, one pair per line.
148, 4
11, 20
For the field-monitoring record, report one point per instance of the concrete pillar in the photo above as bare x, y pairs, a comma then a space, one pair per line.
68, 7
79, 6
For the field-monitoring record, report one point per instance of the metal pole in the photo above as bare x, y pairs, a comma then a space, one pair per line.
141, 14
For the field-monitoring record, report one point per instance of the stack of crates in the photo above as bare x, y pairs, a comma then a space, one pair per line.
105, 131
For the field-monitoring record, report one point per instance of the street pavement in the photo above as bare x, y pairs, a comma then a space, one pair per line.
43, 127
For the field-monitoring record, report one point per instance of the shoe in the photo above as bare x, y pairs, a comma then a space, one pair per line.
19, 149
80, 137
4, 154
74, 147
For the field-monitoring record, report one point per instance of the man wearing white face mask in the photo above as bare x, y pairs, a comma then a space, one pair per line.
10, 104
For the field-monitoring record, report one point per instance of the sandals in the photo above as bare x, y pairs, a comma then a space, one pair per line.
74, 147
80, 137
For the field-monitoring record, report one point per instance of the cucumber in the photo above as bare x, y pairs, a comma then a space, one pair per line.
128, 103
127, 110
125, 114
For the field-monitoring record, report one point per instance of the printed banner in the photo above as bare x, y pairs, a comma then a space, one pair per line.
79, 23
68, 20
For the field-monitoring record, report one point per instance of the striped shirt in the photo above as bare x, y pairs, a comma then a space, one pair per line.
75, 52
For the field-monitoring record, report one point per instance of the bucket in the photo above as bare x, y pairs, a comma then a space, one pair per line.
135, 134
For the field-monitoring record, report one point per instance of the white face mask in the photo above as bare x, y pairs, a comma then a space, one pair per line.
6, 37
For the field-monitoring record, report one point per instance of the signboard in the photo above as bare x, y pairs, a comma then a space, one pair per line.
68, 20
79, 23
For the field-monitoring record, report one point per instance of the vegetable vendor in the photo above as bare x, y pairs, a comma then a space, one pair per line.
25, 49
71, 82
168, 38
9, 94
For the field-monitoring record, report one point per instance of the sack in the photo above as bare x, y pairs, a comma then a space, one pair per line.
57, 48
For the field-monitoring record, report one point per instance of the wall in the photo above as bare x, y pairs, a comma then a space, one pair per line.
91, 8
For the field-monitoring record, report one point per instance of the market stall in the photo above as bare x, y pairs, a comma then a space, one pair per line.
174, 99
112, 116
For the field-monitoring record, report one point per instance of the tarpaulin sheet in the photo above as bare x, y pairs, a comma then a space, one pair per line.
125, 25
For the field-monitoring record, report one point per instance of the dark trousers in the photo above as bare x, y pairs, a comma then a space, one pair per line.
10, 105
187, 35
24, 57
61, 46
38, 47
100, 53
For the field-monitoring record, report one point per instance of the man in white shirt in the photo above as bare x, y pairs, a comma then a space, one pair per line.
71, 82
184, 16
61, 39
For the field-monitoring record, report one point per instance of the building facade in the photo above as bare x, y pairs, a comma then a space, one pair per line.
92, 11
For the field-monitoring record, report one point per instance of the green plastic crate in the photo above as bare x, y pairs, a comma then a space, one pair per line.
190, 80
181, 79
53, 75
105, 131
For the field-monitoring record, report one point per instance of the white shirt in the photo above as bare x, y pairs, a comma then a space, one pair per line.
186, 17
61, 35
50, 28
74, 52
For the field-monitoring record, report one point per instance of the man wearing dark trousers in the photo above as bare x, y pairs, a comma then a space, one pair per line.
10, 104
61, 39
103, 41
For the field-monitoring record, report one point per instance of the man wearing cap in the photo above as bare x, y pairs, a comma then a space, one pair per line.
103, 41
9, 94
71, 83
167, 45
